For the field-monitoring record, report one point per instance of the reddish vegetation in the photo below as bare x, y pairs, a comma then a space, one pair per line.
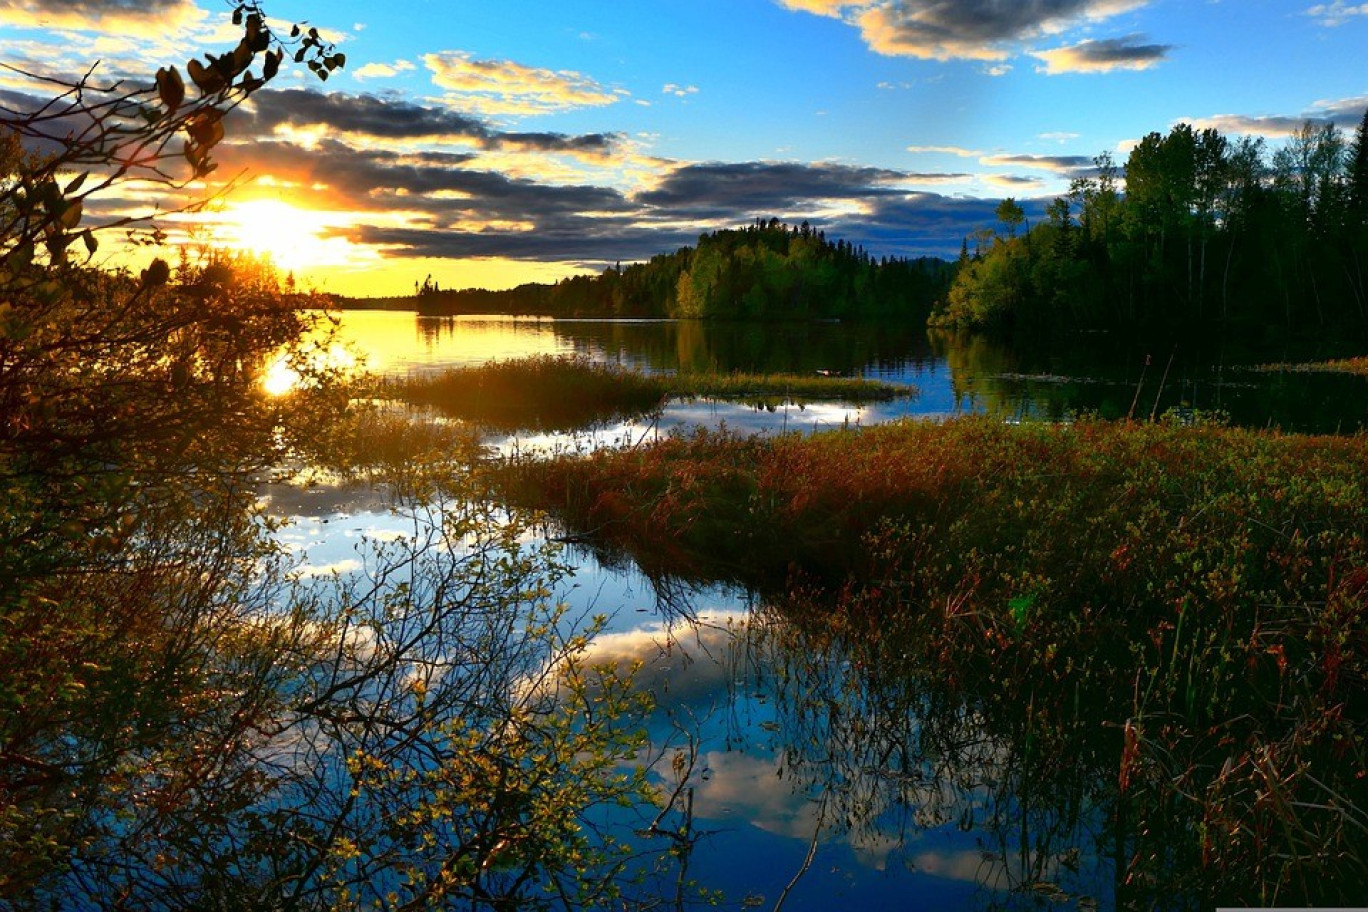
1203, 589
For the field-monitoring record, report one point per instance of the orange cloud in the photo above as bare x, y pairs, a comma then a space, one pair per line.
508, 87
123, 16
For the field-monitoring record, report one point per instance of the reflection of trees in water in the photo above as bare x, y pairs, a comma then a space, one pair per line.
811, 735
1118, 378
896, 753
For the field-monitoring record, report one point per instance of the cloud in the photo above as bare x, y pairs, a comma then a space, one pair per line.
382, 70
755, 188
426, 203
508, 87
392, 118
973, 29
1337, 13
960, 29
1014, 182
1275, 127
1103, 56
1063, 165
679, 91
145, 16
1345, 113
819, 7
947, 150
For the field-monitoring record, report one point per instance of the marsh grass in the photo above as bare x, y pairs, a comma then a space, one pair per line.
562, 393
1356, 366
545, 392
783, 389
1196, 597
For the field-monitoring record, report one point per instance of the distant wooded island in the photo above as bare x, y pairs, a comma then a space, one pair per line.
766, 270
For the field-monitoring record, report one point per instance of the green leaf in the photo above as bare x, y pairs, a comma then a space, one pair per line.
91, 242
76, 184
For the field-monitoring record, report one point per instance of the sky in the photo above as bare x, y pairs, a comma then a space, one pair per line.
486, 143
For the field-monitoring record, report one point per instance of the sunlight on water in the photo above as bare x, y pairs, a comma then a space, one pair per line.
282, 376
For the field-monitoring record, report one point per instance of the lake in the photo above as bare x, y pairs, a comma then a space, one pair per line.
1110, 376
815, 782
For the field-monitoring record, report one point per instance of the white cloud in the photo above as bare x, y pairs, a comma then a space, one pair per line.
383, 70
946, 150
1337, 13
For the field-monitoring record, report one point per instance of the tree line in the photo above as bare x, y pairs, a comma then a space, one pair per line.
1208, 231
766, 270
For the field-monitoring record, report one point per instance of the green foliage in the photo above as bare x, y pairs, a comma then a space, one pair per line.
1209, 231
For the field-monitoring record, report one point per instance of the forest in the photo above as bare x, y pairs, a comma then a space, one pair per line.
1198, 230
766, 270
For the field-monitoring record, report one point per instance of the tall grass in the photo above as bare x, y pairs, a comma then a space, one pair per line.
1196, 595
1357, 366
782, 388
548, 392
544, 392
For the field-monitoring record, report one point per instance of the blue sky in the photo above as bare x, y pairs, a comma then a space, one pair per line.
489, 143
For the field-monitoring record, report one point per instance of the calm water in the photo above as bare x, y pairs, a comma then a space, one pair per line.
1105, 375
843, 787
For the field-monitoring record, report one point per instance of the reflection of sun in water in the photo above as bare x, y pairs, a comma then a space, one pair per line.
289, 237
282, 375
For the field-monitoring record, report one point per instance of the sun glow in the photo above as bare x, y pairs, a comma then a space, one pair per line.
287, 372
292, 238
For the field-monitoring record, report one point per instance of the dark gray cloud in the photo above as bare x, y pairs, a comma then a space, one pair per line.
944, 29
431, 182
764, 188
102, 14
988, 20
1063, 165
372, 115
574, 239
1102, 56
391, 118
923, 224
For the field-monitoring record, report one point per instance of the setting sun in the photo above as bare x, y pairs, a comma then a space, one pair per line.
290, 237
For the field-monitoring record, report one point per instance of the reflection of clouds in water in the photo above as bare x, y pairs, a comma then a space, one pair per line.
754, 789
321, 571
679, 663
685, 417
317, 501
789, 790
